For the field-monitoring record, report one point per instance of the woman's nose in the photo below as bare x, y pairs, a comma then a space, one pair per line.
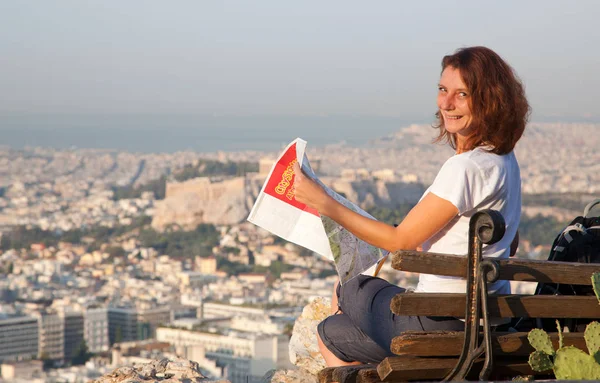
446, 103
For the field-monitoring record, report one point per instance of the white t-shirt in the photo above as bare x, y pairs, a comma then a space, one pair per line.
473, 181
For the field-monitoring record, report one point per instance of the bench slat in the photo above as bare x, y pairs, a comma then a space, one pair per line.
450, 343
401, 368
344, 374
510, 269
499, 306
368, 375
325, 375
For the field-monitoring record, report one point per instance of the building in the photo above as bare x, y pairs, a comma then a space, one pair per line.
265, 165
130, 353
105, 326
264, 326
387, 175
155, 317
20, 337
205, 265
250, 278
73, 324
60, 334
30, 369
52, 336
195, 279
245, 356
212, 310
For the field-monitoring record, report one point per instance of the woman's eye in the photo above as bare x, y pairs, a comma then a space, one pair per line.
441, 89
462, 94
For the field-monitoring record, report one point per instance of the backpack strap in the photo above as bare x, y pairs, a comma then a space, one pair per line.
589, 207
577, 227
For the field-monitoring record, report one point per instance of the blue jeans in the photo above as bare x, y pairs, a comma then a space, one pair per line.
365, 329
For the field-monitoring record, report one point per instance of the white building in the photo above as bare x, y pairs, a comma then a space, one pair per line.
218, 310
27, 370
52, 336
246, 356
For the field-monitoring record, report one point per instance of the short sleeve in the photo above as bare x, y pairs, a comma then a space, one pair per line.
460, 182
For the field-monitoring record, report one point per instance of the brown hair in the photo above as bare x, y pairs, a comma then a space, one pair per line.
498, 103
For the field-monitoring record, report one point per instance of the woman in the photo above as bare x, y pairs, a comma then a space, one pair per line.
482, 112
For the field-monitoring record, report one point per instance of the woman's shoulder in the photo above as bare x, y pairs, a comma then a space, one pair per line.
483, 163
483, 158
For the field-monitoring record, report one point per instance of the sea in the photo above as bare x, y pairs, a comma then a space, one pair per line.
172, 133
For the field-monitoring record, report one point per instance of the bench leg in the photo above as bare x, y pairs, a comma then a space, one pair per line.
484, 227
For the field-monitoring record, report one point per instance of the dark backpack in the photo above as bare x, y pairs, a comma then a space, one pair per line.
578, 242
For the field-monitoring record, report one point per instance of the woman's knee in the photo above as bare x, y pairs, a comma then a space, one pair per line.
322, 346
330, 359
323, 349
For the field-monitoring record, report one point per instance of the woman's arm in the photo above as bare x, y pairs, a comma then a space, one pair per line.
423, 221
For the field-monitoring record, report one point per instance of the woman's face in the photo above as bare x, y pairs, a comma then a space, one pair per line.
453, 101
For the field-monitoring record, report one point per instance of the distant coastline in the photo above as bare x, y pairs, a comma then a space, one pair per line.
152, 134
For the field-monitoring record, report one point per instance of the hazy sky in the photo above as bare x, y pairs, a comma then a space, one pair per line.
281, 57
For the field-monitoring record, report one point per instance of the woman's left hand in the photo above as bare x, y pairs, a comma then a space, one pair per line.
307, 191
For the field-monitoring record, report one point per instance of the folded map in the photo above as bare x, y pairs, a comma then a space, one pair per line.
277, 211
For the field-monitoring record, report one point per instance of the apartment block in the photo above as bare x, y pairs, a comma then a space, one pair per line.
19, 337
52, 336
106, 326
73, 323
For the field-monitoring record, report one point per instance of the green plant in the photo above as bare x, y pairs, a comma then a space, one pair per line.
568, 362
596, 285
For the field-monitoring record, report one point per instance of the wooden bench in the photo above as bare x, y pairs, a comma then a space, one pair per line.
478, 352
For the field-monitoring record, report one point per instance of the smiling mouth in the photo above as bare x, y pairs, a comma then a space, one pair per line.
454, 117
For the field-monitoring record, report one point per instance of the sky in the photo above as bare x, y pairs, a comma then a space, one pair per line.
284, 58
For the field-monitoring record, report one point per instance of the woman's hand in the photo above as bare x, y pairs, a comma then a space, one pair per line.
307, 191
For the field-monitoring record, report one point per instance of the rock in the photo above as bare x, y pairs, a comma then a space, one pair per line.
148, 372
289, 376
203, 200
304, 350
183, 369
164, 371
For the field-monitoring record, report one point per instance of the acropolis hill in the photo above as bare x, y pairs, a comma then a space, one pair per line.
227, 201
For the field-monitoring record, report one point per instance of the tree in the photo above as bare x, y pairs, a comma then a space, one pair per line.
118, 335
278, 267
182, 244
288, 329
81, 354
158, 187
116, 252
46, 361
540, 230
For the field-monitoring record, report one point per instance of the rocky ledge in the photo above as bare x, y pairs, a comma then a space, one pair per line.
164, 371
304, 353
